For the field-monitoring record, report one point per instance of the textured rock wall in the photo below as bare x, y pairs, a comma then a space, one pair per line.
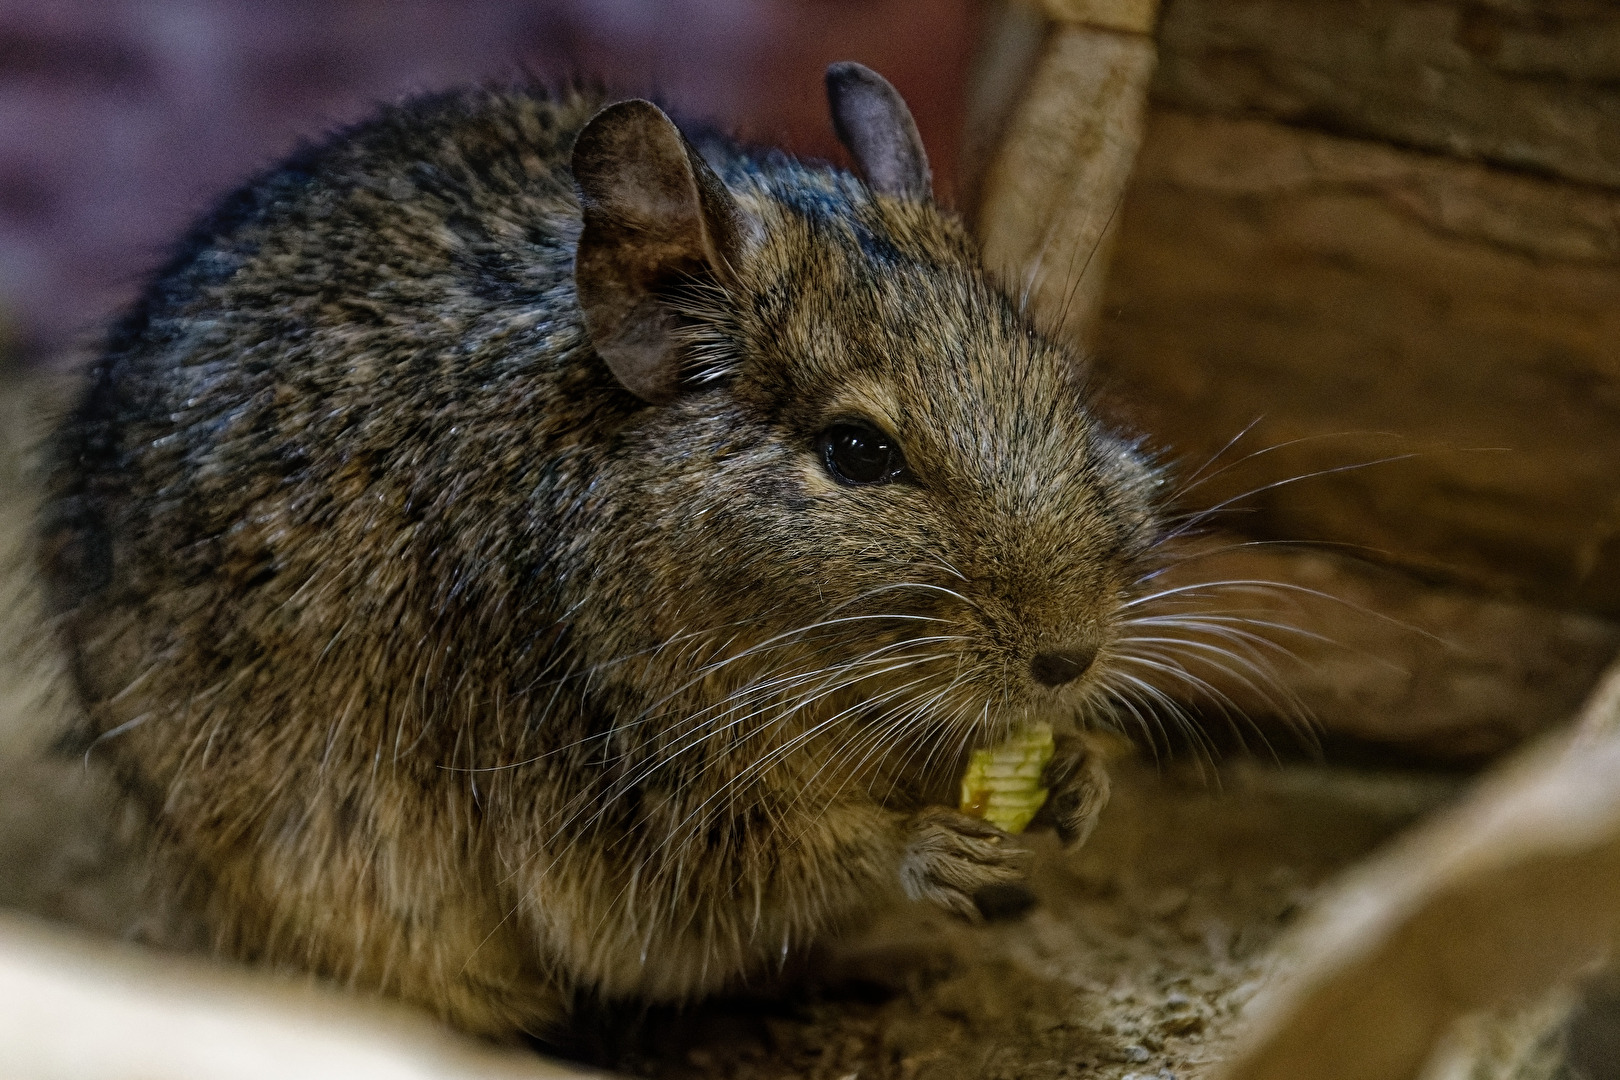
1380, 240
1374, 303
1527, 84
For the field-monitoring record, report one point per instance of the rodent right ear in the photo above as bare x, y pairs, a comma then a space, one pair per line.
875, 126
654, 214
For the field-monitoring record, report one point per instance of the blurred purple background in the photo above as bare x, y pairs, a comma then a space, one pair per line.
122, 119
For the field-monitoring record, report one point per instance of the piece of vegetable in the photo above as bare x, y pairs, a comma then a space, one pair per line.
1003, 784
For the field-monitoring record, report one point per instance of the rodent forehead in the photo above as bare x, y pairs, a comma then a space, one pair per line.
1001, 402
885, 314
909, 337
868, 396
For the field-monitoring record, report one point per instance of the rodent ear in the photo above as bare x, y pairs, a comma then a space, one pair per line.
654, 214
876, 128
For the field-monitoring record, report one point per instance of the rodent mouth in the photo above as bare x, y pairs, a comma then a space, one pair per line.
943, 675
984, 711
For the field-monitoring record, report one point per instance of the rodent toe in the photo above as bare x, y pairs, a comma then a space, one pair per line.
951, 857
1077, 780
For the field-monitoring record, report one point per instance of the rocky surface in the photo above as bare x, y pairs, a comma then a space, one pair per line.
1421, 355
1533, 85
1312, 644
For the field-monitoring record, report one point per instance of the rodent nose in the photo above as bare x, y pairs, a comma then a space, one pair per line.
1054, 667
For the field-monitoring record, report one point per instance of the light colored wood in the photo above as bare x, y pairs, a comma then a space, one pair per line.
1051, 197
75, 1009
1494, 903
1131, 16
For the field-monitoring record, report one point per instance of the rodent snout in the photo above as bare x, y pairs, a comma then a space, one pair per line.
1054, 667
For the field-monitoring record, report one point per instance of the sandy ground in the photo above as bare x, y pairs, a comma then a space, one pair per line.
1142, 950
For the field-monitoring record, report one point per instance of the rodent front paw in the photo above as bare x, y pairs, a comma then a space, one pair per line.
1076, 780
950, 857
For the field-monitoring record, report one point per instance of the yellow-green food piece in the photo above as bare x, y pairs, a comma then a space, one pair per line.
1003, 784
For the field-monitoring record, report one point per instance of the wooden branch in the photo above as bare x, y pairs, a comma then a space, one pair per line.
1128, 16
1051, 196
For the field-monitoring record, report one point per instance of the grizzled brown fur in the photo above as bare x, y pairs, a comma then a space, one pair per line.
447, 666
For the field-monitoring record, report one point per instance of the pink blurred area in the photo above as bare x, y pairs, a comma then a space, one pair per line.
120, 120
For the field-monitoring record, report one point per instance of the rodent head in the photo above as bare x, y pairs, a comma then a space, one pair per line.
884, 465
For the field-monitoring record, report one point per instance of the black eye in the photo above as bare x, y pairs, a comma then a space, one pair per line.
860, 454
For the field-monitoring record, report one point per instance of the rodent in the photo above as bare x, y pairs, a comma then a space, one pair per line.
514, 550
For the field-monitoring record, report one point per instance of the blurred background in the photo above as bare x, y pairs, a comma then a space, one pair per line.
120, 120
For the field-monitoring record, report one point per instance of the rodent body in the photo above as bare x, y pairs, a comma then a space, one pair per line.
480, 633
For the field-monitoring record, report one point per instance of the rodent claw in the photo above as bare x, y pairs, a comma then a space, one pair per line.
951, 857
1077, 779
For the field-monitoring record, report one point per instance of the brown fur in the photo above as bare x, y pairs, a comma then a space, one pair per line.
446, 666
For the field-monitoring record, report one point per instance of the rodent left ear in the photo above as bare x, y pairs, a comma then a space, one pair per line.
876, 128
654, 214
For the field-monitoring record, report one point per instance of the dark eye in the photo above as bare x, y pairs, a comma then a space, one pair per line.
860, 454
